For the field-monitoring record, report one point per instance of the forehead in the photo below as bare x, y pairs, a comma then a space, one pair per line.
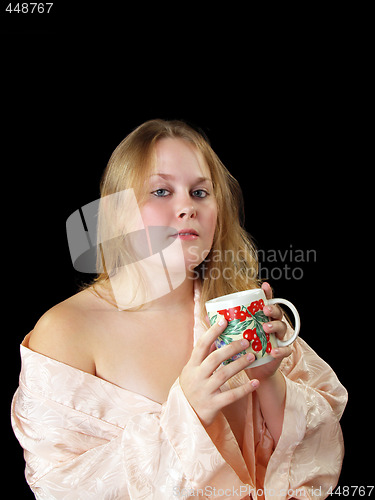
177, 156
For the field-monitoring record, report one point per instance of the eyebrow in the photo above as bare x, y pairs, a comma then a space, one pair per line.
172, 177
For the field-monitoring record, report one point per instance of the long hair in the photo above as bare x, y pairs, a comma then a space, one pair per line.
231, 264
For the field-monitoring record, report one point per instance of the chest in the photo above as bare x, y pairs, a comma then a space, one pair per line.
143, 355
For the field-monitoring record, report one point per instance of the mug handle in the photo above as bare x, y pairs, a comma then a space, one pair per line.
297, 321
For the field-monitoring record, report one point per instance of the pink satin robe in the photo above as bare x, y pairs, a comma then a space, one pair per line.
85, 438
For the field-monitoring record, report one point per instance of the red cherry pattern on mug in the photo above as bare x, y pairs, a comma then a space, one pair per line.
251, 336
236, 313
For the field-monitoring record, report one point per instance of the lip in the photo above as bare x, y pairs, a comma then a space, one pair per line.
187, 234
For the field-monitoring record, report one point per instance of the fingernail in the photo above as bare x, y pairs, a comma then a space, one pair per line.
276, 351
250, 357
245, 343
255, 383
221, 322
269, 326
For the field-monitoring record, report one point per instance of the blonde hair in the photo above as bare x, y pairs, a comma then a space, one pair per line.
231, 264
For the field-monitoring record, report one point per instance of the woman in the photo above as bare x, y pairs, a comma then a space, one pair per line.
120, 393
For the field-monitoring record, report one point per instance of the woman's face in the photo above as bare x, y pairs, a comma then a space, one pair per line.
180, 195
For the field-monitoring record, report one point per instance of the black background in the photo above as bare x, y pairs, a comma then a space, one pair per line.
285, 113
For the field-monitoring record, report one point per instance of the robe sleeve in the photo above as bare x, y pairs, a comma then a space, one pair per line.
161, 453
308, 457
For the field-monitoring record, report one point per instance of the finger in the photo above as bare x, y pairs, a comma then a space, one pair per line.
266, 287
212, 348
232, 395
277, 327
203, 346
281, 352
214, 360
224, 373
274, 312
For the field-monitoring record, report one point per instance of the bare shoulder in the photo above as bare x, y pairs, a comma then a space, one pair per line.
62, 333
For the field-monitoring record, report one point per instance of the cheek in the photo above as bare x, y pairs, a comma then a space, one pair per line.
154, 215
211, 222
210, 226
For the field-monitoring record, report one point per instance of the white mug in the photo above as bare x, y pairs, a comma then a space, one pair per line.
245, 316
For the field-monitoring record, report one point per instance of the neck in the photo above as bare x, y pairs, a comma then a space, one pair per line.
179, 298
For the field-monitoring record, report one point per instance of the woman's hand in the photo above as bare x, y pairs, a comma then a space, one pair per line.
272, 389
278, 327
201, 382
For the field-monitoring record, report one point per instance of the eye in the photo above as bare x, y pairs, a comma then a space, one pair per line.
200, 193
161, 193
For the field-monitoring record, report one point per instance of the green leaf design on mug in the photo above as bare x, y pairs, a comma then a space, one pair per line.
213, 319
259, 317
237, 327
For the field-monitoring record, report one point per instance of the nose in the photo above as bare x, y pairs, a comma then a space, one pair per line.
187, 212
